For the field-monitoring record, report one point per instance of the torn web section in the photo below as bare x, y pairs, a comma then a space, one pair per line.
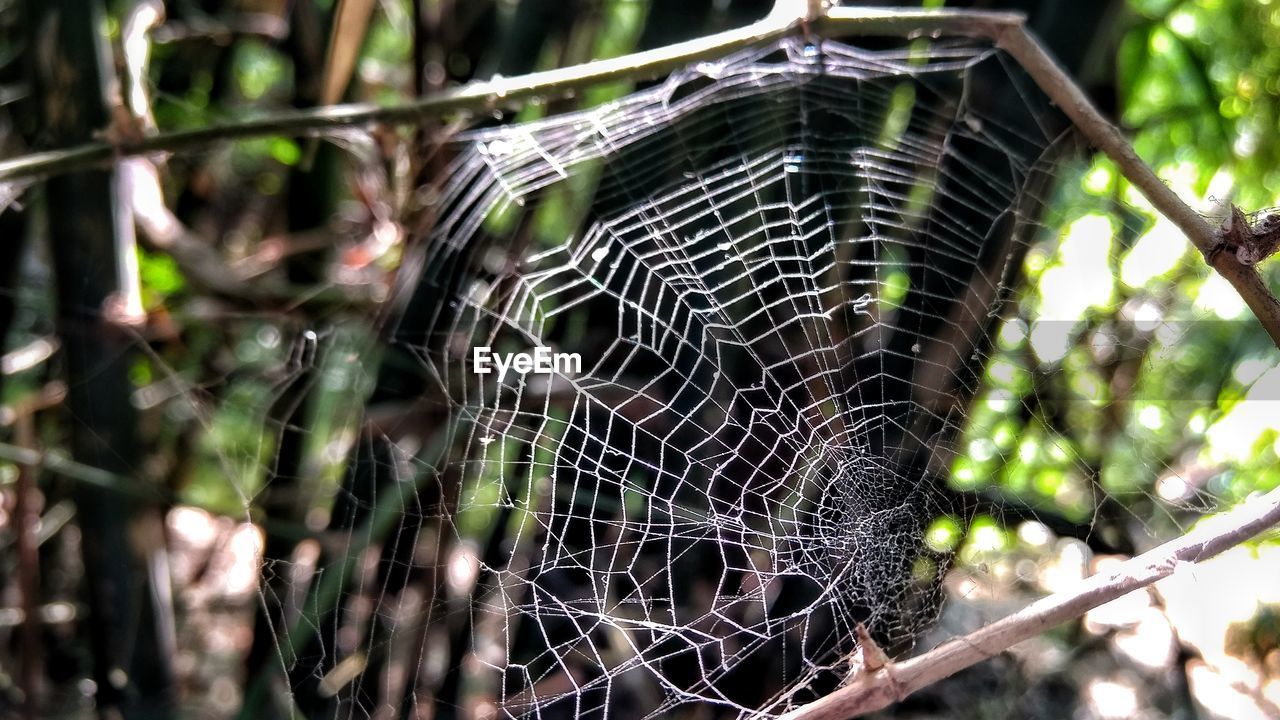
779, 272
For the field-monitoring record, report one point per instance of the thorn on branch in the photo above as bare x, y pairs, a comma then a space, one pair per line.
870, 659
1253, 238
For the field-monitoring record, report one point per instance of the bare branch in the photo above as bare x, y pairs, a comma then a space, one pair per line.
1059, 86
1006, 29
503, 92
880, 690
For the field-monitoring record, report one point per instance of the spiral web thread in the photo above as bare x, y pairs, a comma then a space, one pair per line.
782, 285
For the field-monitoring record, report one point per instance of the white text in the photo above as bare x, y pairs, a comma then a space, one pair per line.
541, 361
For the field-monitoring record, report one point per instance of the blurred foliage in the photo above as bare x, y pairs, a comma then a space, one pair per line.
1127, 356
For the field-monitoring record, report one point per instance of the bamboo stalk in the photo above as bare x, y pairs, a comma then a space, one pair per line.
94, 268
26, 519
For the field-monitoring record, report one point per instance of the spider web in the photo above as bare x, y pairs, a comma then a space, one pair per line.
782, 290
809, 286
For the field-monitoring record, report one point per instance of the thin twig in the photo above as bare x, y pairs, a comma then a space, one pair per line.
1006, 29
503, 92
495, 93
874, 692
